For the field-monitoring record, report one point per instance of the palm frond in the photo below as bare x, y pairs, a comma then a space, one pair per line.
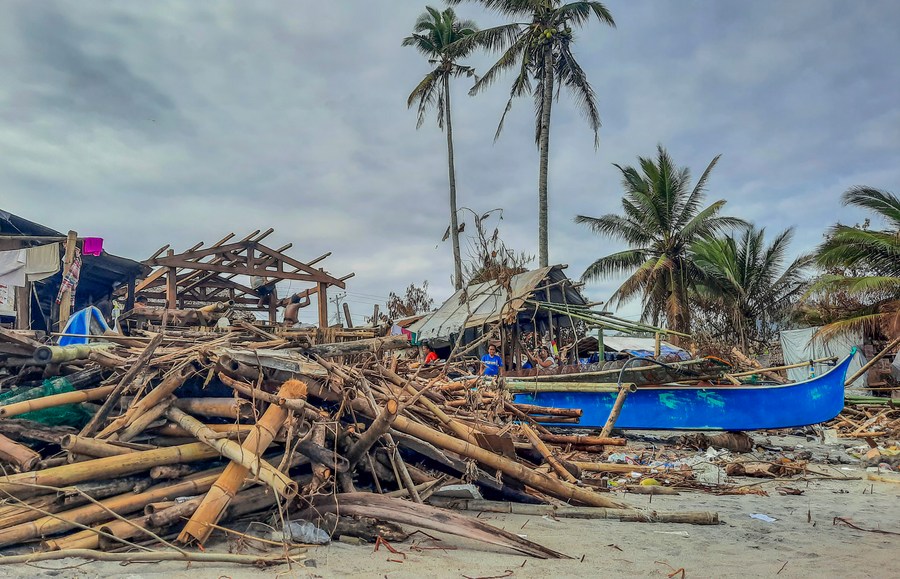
570, 73
578, 13
881, 202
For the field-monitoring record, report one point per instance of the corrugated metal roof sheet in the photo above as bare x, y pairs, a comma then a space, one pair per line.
488, 302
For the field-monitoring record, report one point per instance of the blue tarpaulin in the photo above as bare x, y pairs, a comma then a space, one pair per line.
88, 321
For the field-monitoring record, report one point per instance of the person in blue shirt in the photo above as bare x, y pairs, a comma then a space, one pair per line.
491, 362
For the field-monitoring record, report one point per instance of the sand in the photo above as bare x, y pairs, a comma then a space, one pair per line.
801, 542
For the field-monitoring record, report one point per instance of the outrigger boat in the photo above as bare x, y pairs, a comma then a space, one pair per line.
673, 406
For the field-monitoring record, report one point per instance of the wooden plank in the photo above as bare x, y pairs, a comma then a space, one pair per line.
65, 305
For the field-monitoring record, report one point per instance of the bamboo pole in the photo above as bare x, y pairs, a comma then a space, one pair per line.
175, 378
565, 511
54, 400
233, 451
121, 505
92, 447
786, 367
224, 489
109, 467
124, 383
614, 413
508, 467
533, 409
231, 408
539, 446
379, 426
24, 458
871, 362
297, 405
527, 387
142, 421
150, 557
583, 440
611, 467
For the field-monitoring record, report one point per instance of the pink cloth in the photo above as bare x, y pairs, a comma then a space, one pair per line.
92, 246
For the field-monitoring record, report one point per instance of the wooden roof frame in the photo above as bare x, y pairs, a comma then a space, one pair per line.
205, 274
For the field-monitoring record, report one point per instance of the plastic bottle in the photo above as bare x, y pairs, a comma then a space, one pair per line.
304, 532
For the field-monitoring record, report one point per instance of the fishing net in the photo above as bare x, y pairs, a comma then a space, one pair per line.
67, 415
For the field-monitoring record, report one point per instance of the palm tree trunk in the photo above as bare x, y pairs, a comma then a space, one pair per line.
544, 145
454, 223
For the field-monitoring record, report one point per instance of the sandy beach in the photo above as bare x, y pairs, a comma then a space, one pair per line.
804, 540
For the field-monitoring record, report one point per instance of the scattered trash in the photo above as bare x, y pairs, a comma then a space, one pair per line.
302, 532
762, 517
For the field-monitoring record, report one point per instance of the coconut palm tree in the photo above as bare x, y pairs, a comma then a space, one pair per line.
746, 282
433, 33
864, 263
662, 217
539, 47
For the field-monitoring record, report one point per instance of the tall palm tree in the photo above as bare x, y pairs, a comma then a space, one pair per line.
433, 33
865, 263
747, 283
662, 217
540, 50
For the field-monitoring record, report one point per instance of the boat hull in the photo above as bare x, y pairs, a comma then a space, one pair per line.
671, 407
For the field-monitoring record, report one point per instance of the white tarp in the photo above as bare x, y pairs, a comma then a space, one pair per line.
798, 346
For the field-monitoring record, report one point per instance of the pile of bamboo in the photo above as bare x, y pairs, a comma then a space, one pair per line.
190, 434
867, 417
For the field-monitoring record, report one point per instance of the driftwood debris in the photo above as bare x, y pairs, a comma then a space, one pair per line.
183, 431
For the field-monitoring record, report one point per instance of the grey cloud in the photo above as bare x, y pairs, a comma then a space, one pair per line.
293, 115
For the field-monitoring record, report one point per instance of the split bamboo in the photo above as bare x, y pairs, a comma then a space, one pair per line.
279, 481
223, 491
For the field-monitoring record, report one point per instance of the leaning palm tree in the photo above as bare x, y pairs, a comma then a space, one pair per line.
540, 50
747, 283
864, 263
662, 217
433, 33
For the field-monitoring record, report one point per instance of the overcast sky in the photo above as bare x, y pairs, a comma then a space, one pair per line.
149, 123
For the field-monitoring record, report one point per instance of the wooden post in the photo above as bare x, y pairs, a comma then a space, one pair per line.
600, 346
375, 316
23, 306
129, 298
65, 304
171, 284
347, 315
656, 345
323, 305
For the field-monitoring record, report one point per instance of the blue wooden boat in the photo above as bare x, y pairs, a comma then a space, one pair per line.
720, 407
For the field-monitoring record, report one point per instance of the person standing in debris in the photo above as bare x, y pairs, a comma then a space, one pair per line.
491, 362
430, 355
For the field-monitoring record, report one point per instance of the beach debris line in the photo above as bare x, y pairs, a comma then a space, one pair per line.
172, 434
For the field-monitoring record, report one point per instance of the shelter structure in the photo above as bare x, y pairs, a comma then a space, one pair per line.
527, 310
241, 273
35, 304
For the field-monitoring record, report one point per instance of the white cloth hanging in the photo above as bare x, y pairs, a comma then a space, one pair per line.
12, 268
42, 261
